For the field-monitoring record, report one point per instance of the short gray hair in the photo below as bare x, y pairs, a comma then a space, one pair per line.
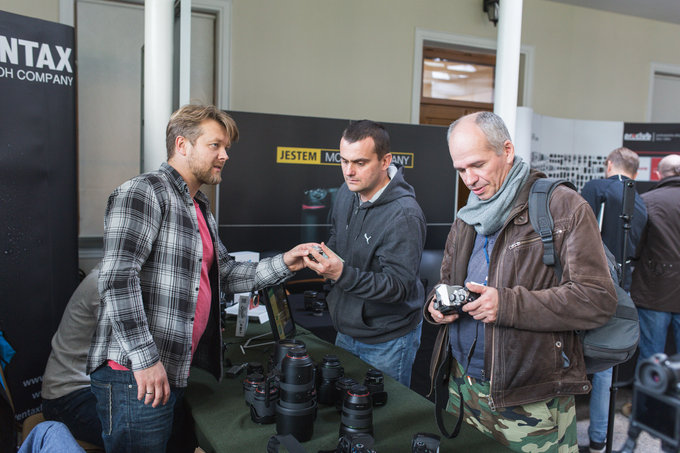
492, 126
669, 166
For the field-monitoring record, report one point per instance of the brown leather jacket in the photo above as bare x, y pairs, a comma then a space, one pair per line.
537, 315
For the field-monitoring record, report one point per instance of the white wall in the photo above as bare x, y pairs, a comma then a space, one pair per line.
353, 58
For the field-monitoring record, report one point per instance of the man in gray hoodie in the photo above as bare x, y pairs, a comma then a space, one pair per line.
373, 255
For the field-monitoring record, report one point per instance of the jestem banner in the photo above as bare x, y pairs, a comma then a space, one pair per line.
38, 225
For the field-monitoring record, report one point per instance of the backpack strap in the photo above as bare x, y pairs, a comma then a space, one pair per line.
541, 219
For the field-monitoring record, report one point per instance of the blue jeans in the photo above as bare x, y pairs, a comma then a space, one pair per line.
393, 357
50, 437
78, 411
654, 329
599, 406
129, 425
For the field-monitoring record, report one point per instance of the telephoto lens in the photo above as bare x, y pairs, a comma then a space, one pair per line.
342, 385
375, 382
282, 348
329, 371
296, 409
263, 408
357, 411
249, 386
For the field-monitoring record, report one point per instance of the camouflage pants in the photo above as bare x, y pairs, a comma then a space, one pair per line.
544, 426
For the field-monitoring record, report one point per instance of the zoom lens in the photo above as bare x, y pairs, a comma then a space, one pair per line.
296, 409
329, 371
263, 408
375, 382
249, 386
357, 412
282, 348
342, 386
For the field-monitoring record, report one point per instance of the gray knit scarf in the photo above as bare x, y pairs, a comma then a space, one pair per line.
488, 216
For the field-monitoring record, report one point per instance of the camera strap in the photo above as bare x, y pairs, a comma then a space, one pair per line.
442, 391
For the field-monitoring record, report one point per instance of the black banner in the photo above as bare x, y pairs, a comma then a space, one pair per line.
279, 182
38, 240
652, 141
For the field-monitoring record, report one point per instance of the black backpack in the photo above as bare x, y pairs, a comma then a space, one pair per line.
614, 342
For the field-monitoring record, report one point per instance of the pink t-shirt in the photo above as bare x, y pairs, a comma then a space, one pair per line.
204, 291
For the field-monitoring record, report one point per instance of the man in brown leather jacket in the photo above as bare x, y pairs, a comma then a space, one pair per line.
517, 361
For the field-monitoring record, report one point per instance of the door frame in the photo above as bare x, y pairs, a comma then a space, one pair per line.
654, 69
434, 37
222, 11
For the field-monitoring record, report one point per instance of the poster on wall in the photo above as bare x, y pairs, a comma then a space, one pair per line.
38, 225
278, 185
652, 141
573, 149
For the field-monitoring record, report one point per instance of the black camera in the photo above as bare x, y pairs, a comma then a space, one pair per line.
375, 382
355, 443
656, 402
451, 298
425, 443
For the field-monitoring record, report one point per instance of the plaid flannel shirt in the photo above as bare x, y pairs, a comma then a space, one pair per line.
150, 276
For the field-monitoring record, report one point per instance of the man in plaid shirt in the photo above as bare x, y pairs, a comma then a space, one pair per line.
161, 275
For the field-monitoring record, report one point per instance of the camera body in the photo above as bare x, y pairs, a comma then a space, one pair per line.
355, 443
656, 401
450, 299
425, 443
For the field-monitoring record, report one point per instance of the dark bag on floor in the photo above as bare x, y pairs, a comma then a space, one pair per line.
614, 342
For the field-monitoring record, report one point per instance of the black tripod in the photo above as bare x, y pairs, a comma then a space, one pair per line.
627, 217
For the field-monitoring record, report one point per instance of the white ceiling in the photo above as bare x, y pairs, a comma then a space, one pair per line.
663, 10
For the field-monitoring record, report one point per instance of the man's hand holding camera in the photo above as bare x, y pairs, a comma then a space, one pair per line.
484, 308
324, 262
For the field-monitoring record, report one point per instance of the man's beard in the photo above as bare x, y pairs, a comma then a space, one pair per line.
205, 176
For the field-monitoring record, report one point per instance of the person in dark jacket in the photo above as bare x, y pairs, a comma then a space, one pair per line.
378, 229
655, 289
525, 361
605, 197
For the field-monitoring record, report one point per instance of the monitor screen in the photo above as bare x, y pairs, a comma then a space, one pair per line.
279, 311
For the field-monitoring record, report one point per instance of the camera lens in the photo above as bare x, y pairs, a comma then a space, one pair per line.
254, 367
263, 408
249, 386
357, 411
658, 373
296, 408
374, 381
342, 386
318, 307
309, 299
330, 371
282, 348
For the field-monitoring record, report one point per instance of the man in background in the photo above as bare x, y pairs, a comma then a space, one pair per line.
65, 386
655, 288
378, 229
605, 197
